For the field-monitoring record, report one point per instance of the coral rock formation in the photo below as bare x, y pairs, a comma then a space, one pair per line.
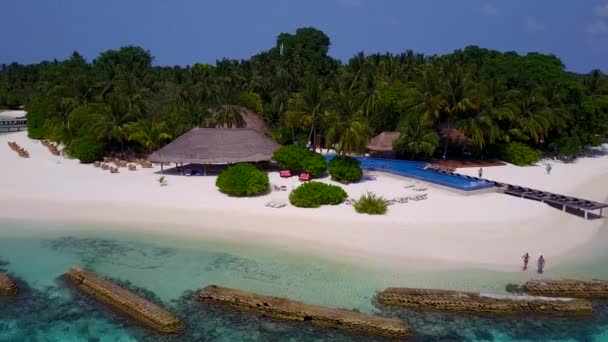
291, 310
141, 310
455, 301
8, 287
586, 289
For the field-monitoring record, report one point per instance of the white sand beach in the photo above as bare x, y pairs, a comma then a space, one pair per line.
488, 230
12, 114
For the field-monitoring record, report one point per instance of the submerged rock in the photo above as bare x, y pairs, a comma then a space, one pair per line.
291, 310
455, 301
8, 287
143, 311
586, 289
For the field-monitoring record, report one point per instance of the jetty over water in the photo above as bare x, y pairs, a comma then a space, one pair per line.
291, 310
10, 125
478, 303
139, 309
583, 206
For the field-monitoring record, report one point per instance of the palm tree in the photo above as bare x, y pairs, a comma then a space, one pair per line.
417, 137
229, 116
305, 108
533, 116
426, 100
457, 94
150, 135
483, 126
346, 127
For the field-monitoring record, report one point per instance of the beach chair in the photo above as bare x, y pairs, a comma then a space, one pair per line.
304, 177
187, 172
285, 173
132, 167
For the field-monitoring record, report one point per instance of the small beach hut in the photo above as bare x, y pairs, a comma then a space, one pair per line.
382, 145
217, 146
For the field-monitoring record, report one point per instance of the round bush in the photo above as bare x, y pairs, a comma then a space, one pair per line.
300, 159
345, 169
520, 154
371, 204
316, 194
242, 180
87, 149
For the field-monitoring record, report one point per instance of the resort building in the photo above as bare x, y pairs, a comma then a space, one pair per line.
216, 146
382, 145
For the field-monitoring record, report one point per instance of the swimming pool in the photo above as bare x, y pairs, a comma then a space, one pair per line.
416, 170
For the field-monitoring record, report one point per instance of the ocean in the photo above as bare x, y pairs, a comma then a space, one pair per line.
169, 270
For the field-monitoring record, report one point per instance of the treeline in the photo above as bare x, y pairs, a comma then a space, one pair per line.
472, 102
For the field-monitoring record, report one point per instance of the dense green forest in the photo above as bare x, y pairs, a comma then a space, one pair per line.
470, 103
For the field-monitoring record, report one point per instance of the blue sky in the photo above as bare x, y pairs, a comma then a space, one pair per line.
188, 31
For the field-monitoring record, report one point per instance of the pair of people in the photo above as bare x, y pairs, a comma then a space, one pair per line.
540, 263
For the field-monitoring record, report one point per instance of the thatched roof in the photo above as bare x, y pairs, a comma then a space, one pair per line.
255, 122
217, 146
383, 142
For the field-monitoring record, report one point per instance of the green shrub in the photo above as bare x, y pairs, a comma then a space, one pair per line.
345, 169
520, 154
316, 194
567, 147
300, 159
87, 149
371, 204
242, 180
37, 112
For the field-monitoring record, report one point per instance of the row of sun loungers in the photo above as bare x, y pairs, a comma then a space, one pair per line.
276, 204
107, 164
52, 147
23, 153
279, 188
396, 200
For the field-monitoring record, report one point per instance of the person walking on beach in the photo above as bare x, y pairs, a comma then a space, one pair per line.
540, 264
525, 258
548, 168
480, 172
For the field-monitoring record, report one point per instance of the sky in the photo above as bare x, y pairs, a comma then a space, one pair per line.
184, 32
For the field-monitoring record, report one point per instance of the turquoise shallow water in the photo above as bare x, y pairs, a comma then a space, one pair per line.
168, 269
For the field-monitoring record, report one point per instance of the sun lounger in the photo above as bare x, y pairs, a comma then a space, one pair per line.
304, 177
132, 167
187, 172
285, 173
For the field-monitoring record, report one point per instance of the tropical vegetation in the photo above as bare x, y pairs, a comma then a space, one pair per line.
300, 159
469, 103
315, 194
242, 180
345, 169
371, 204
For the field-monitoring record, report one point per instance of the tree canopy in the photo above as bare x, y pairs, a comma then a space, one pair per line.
469, 102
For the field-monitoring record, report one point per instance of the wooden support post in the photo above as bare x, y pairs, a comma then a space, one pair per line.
586, 212
162, 170
564, 207
601, 210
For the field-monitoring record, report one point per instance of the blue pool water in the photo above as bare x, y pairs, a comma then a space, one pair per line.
168, 269
416, 170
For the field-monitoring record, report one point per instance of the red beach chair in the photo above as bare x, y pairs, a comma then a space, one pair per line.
285, 173
304, 177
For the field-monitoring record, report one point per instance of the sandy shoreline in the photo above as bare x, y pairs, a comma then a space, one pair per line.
487, 230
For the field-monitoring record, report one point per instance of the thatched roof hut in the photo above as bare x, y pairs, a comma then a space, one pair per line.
217, 146
255, 122
383, 142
